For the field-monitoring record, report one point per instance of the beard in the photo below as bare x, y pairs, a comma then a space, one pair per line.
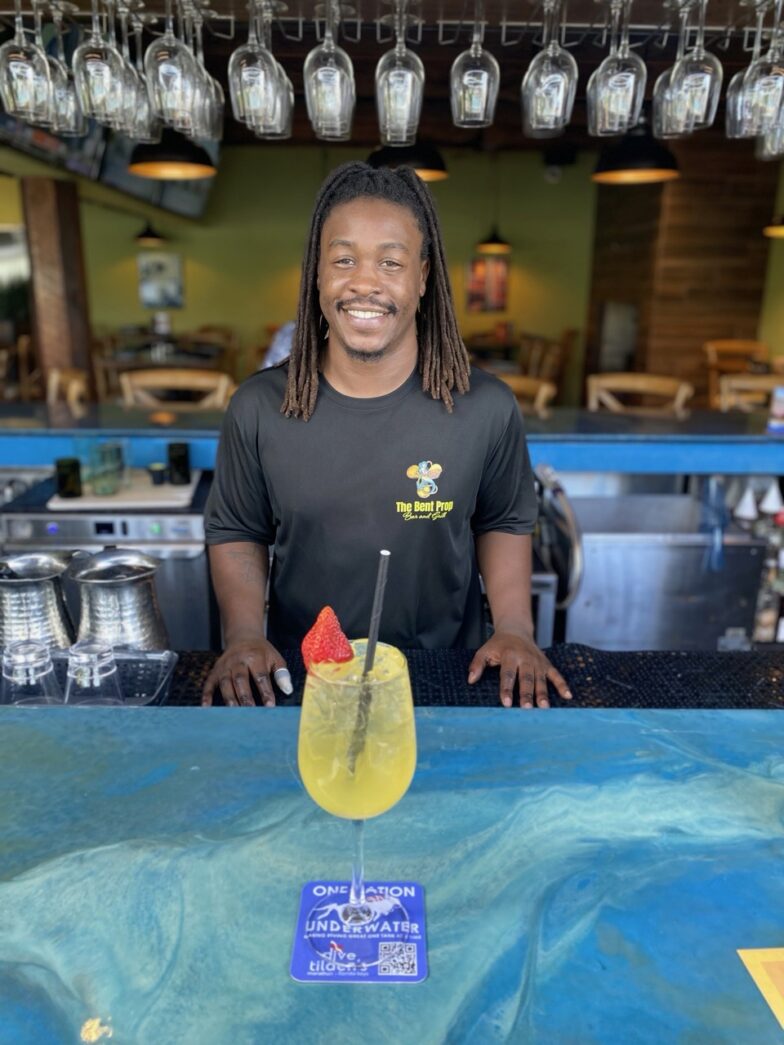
362, 355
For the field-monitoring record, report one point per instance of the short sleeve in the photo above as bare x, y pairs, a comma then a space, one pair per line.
238, 508
507, 498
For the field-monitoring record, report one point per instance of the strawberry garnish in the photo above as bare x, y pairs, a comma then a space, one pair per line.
325, 640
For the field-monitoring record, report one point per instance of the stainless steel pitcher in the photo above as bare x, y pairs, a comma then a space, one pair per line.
118, 600
32, 605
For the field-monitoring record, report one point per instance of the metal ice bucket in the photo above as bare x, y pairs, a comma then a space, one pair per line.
32, 605
118, 600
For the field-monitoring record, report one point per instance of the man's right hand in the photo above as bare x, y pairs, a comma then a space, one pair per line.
241, 661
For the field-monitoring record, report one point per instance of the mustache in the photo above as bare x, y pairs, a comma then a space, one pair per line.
368, 303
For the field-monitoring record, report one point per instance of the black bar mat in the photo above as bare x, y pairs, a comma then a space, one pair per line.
597, 679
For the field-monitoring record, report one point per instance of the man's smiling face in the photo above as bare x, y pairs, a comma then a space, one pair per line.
371, 276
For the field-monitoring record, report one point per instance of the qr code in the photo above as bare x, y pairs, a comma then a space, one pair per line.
397, 959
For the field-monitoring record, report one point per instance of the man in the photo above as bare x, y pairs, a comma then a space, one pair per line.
375, 434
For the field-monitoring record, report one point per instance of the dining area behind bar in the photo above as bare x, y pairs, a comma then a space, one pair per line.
391, 431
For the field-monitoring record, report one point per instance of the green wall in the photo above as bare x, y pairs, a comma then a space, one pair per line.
771, 326
242, 260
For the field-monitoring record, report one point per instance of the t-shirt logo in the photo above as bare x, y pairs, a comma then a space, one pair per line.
425, 474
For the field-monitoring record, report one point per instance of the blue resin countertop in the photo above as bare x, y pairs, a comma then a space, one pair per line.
705, 442
589, 877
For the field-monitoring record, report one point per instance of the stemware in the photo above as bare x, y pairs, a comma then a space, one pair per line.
98, 73
25, 82
400, 85
763, 83
616, 89
738, 123
696, 80
669, 117
770, 146
254, 80
209, 121
550, 84
330, 91
474, 80
357, 746
145, 127
69, 121
172, 78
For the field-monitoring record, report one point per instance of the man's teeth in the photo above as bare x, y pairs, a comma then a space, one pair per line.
363, 315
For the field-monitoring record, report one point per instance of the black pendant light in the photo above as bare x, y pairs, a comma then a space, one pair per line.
637, 159
495, 242
776, 229
149, 237
425, 159
174, 158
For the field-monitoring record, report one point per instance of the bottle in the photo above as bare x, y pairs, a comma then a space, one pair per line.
768, 604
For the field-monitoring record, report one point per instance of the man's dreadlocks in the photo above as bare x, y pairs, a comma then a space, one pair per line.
443, 358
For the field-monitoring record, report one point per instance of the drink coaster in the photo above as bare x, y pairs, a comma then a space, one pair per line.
388, 946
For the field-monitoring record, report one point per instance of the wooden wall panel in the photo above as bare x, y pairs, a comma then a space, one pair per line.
60, 320
701, 257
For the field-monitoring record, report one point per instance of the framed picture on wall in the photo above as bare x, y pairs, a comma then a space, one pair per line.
160, 280
487, 284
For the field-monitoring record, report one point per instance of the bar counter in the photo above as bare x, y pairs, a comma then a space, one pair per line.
703, 443
598, 679
589, 877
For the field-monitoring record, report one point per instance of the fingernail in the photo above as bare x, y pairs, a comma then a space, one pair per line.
283, 680
569, 695
506, 701
528, 704
471, 677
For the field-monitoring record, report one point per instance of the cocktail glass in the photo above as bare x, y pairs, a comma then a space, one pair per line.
357, 747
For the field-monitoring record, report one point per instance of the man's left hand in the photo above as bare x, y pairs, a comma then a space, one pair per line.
520, 660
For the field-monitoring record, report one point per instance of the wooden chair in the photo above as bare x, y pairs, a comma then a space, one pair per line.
730, 356
602, 389
72, 383
224, 337
747, 392
545, 357
139, 387
531, 392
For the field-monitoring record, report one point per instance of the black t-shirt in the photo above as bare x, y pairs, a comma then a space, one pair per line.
398, 472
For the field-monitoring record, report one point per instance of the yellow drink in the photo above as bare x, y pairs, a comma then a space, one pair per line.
352, 768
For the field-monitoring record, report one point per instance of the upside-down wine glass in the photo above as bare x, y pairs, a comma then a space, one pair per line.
98, 73
474, 80
738, 122
550, 84
25, 83
616, 89
763, 83
330, 91
669, 117
696, 78
172, 78
69, 121
400, 85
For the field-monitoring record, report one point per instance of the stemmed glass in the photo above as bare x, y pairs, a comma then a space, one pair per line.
98, 73
669, 118
68, 119
209, 122
770, 146
549, 86
616, 89
763, 83
400, 85
146, 127
279, 125
253, 78
25, 82
132, 86
696, 79
172, 78
738, 122
330, 91
357, 747
474, 80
